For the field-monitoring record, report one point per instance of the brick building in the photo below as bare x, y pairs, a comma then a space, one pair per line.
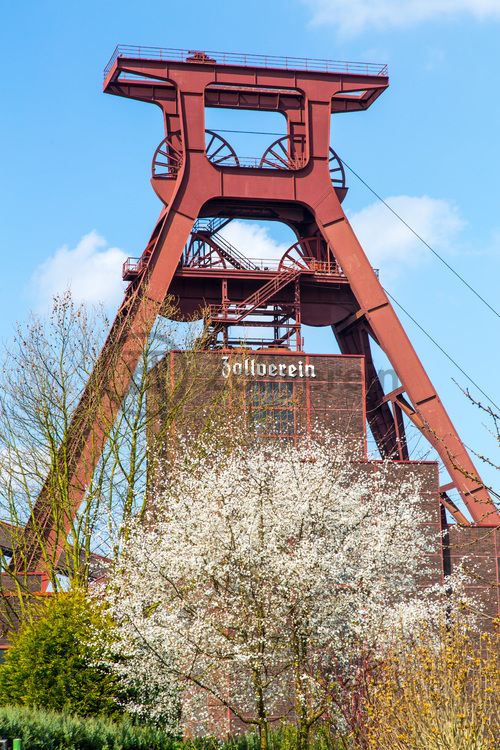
284, 395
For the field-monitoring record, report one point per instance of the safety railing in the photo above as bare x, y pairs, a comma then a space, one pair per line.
211, 226
209, 255
236, 312
250, 61
324, 268
258, 264
232, 254
257, 162
131, 268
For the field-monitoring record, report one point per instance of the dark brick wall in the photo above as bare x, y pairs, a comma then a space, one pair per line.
477, 549
427, 475
334, 399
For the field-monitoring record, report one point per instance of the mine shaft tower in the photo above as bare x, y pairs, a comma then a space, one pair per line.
324, 279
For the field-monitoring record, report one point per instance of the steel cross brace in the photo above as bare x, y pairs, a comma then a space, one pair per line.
197, 188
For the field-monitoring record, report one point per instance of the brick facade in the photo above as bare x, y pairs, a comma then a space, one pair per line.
309, 392
331, 396
280, 399
477, 549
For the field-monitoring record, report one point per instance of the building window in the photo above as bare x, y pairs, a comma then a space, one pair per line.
271, 408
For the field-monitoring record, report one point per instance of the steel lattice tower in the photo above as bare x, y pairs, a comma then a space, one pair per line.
324, 279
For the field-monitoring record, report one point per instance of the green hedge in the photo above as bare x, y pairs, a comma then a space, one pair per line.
47, 730
43, 730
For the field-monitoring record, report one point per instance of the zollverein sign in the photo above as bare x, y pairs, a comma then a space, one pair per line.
251, 368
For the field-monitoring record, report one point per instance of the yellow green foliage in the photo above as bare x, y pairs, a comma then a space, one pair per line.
438, 694
53, 660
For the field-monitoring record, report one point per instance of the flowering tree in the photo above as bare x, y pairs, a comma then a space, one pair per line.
257, 572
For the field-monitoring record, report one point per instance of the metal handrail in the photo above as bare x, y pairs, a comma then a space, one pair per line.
256, 162
325, 268
232, 251
241, 59
210, 225
224, 249
132, 264
241, 309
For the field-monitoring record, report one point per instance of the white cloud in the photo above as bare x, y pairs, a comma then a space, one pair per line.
91, 270
352, 17
391, 246
253, 240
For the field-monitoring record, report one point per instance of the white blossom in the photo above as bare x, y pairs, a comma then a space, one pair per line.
257, 571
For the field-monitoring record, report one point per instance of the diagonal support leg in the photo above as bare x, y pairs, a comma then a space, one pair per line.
106, 388
383, 321
354, 339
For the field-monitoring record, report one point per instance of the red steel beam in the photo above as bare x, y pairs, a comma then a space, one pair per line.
194, 188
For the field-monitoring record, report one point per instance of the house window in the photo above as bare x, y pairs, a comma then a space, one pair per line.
271, 408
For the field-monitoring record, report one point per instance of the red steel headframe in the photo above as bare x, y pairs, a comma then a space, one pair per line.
191, 185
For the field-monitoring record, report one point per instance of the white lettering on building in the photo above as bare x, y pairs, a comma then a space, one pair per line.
264, 369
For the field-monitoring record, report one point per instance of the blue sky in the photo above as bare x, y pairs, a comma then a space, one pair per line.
74, 164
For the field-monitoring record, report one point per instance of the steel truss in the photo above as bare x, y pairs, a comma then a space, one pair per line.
296, 181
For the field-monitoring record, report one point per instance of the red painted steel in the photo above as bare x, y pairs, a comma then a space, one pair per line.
243, 59
195, 184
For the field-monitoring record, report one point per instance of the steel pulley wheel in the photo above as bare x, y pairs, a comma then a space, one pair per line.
219, 151
336, 169
280, 154
168, 157
300, 255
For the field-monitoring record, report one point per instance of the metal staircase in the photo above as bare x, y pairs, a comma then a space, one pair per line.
211, 226
235, 313
205, 243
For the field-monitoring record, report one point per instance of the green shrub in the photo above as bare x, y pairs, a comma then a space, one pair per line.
52, 662
282, 738
45, 730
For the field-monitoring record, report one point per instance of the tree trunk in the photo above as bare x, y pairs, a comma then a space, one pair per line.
263, 735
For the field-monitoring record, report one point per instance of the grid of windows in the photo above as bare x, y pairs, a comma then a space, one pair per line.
271, 407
